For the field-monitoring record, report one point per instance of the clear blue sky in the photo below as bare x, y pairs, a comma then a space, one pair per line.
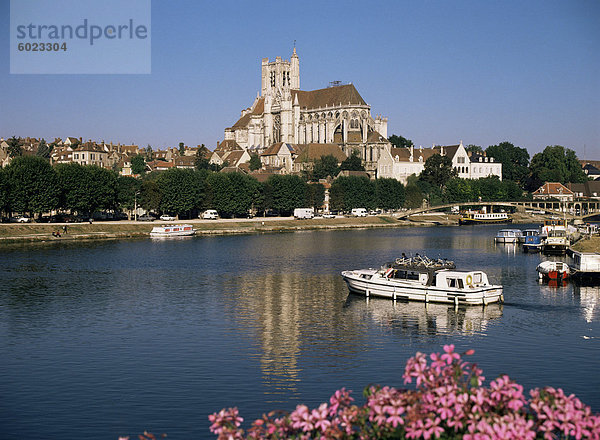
482, 72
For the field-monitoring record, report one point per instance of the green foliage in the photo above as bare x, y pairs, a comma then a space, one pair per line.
86, 188
148, 153
127, 187
490, 189
150, 195
32, 185
325, 166
348, 192
438, 170
181, 148
44, 149
138, 164
389, 193
399, 141
233, 194
353, 163
14, 147
474, 149
289, 193
315, 195
515, 161
555, 164
255, 163
3, 190
104, 189
414, 197
182, 190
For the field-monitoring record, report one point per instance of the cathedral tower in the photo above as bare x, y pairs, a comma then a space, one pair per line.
280, 74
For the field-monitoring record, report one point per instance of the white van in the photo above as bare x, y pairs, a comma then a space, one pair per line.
302, 213
210, 214
359, 212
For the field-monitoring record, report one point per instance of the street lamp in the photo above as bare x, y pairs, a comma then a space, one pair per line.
135, 205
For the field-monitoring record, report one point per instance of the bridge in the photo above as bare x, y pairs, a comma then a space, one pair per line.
576, 210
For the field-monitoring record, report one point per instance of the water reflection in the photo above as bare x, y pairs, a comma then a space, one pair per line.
589, 297
424, 319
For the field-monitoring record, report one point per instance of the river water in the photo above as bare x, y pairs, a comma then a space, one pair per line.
101, 339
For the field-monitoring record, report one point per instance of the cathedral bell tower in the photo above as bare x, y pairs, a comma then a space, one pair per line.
278, 79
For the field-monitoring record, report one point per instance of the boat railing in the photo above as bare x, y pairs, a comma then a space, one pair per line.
424, 262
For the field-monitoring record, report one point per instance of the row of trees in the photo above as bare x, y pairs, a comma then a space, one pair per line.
31, 185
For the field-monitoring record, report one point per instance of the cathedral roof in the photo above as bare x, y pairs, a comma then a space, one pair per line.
330, 97
227, 145
312, 152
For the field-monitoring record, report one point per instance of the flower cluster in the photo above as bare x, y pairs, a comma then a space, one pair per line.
449, 401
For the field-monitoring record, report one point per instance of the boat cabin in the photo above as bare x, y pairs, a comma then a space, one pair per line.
586, 261
460, 279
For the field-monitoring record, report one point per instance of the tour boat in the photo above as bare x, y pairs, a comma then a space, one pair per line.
528, 233
422, 279
557, 242
553, 224
533, 243
508, 236
483, 217
172, 231
553, 270
586, 266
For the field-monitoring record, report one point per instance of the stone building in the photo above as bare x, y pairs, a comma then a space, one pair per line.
281, 112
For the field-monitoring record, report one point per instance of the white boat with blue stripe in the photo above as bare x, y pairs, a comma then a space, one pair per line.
422, 279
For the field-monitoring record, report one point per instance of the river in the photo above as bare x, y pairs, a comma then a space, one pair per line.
109, 338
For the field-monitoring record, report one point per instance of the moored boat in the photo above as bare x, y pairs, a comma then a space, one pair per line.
557, 242
553, 270
483, 217
533, 243
508, 236
586, 266
528, 233
172, 231
423, 279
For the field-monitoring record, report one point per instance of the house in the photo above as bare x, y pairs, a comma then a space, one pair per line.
592, 171
553, 190
280, 155
188, 162
400, 163
586, 190
159, 165
90, 153
309, 153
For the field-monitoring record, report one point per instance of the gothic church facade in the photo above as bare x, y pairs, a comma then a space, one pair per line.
281, 112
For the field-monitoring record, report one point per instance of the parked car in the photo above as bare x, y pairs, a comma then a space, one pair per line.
145, 218
167, 218
20, 219
210, 214
328, 214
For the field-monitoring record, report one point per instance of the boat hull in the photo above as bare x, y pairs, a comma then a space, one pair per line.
471, 221
417, 292
511, 240
172, 234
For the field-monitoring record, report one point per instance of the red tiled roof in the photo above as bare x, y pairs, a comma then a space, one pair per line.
553, 188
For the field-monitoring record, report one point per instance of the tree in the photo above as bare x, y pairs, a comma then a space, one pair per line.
44, 149
181, 191
315, 195
474, 149
87, 188
389, 193
325, 166
14, 147
459, 190
32, 185
181, 149
438, 170
414, 197
255, 163
555, 164
289, 192
515, 161
138, 164
348, 192
400, 141
127, 187
3, 190
150, 195
148, 153
353, 163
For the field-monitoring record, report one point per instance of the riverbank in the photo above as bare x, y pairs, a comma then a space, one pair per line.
588, 244
48, 232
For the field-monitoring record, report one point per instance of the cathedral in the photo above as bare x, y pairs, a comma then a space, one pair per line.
281, 112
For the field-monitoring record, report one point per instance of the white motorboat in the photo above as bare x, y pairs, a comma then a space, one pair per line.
553, 270
422, 279
172, 231
586, 266
508, 236
557, 242
483, 217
